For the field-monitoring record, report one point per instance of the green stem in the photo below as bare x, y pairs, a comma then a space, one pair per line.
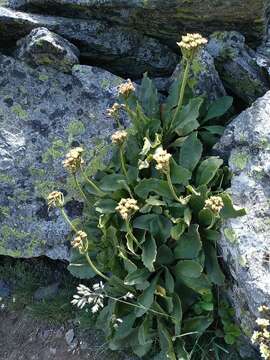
122, 160
68, 220
130, 233
94, 268
183, 85
172, 188
93, 185
80, 188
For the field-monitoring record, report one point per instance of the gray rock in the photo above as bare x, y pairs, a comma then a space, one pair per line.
4, 289
236, 65
204, 79
69, 336
163, 19
42, 114
43, 47
123, 51
245, 242
46, 292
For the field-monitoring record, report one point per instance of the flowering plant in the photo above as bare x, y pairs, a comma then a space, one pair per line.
154, 216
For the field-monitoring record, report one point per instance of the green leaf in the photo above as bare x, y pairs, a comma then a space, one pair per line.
191, 152
125, 328
189, 246
188, 268
105, 206
186, 120
79, 266
212, 266
110, 182
215, 129
211, 235
197, 324
169, 281
147, 298
164, 255
207, 218
148, 97
144, 331
137, 277
165, 340
207, 170
147, 186
149, 253
178, 230
177, 314
200, 285
218, 108
179, 175
229, 211
158, 225
171, 102
141, 350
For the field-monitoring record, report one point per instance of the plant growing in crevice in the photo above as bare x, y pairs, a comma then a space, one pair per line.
152, 231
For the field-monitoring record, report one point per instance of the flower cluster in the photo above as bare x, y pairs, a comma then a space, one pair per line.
55, 199
119, 137
214, 203
262, 337
80, 241
73, 160
190, 43
162, 157
126, 89
93, 297
127, 207
114, 110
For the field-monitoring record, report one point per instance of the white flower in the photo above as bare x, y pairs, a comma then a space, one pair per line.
128, 295
86, 296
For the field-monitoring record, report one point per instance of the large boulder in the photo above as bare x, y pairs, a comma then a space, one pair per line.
237, 66
121, 50
42, 114
245, 242
43, 47
163, 19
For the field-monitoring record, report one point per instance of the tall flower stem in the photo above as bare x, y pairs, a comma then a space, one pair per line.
122, 161
93, 185
65, 216
184, 84
80, 189
172, 187
130, 233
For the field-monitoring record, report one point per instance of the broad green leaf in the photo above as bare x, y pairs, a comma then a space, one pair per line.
126, 327
79, 266
207, 218
197, 202
189, 245
218, 108
149, 253
145, 301
201, 285
178, 230
169, 281
191, 152
164, 255
141, 350
188, 268
156, 186
144, 332
110, 182
137, 277
165, 340
179, 175
171, 102
158, 225
229, 211
215, 129
213, 269
207, 170
211, 235
177, 314
148, 97
197, 324
105, 206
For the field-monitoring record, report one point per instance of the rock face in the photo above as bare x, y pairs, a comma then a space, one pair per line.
245, 243
163, 19
42, 47
237, 66
44, 113
123, 51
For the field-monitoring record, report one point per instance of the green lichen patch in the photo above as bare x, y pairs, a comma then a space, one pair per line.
19, 111
239, 160
230, 235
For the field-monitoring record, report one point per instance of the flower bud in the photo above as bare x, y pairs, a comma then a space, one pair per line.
126, 89
119, 137
73, 160
55, 199
127, 207
80, 241
162, 157
190, 44
214, 203
114, 110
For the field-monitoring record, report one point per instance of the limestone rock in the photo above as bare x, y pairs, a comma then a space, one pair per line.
121, 50
163, 19
42, 114
245, 242
43, 47
236, 65
204, 79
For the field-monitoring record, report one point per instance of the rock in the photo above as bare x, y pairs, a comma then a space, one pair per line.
163, 19
122, 51
236, 65
69, 336
245, 242
46, 292
42, 114
204, 79
4, 289
43, 47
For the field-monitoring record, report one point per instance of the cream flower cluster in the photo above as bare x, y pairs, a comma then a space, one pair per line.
73, 160
214, 203
119, 137
126, 89
262, 337
114, 110
55, 199
127, 207
162, 157
192, 42
80, 241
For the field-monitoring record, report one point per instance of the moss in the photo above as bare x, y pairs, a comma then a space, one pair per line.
7, 179
239, 160
56, 151
4, 211
43, 77
19, 111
